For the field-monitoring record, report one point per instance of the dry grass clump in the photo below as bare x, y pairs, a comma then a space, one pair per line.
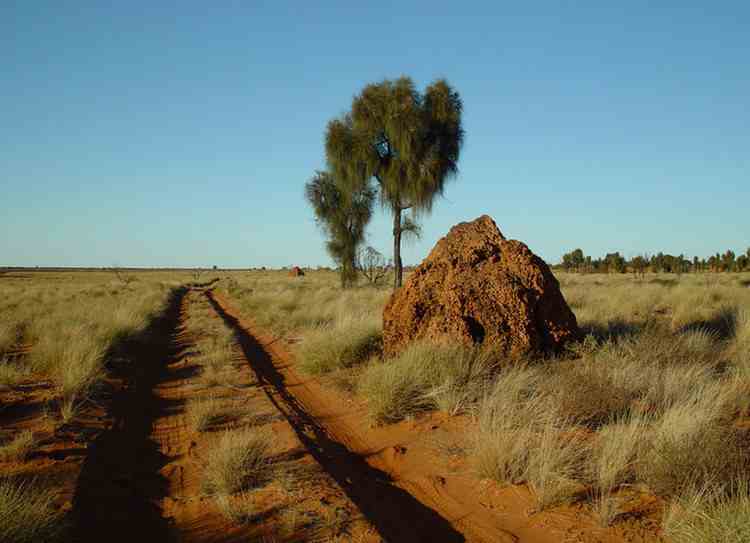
204, 413
693, 442
425, 376
215, 346
76, 365
740, 349
214, 362
556, 467
586, 391
612, 466
10, 333
508, 417
28, 513
718, 513
521, 439
19, 447
343, 345
239, 509
238, 461
213, 354
12, 372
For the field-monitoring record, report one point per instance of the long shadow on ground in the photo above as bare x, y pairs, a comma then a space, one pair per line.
119, 485
395, 513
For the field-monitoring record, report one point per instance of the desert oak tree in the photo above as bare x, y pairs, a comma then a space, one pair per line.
343, 216
406, 141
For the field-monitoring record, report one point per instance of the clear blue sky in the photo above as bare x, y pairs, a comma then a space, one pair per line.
182, 134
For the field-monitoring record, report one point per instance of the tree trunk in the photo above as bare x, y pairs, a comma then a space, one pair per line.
397, 267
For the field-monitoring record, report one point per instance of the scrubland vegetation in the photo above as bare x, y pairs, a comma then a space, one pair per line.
653, 400
60, 334
65, 330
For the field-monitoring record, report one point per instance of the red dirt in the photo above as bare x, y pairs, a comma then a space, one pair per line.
477, 287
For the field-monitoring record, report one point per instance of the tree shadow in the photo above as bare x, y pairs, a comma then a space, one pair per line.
663, 282
119, 486
614, 330
723, 325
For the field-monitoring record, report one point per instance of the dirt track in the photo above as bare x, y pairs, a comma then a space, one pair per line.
141, 480
141, 476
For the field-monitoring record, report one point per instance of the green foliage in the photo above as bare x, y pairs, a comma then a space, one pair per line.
343, 213
408, 142
660, 262
573, 260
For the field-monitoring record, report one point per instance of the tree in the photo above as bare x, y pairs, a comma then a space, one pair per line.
373, 265
615, 263
343, 215
742, 262
727, 260
406, 141
639, 263
573, 260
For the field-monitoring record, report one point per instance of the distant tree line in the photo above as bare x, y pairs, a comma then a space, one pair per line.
576, 261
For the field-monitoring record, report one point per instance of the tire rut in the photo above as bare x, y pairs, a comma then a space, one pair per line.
395, 513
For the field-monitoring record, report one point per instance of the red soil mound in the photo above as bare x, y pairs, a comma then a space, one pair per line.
478, 287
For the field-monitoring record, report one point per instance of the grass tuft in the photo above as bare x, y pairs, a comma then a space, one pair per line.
424, 377
28, 513
19, 447
204, 413
711, 513
344, 345
238, 461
